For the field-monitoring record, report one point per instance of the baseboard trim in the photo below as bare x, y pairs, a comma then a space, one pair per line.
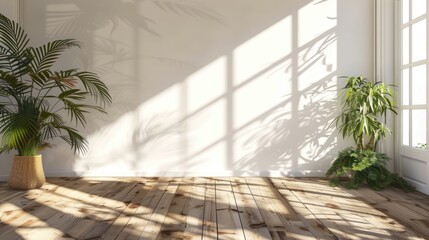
229, 173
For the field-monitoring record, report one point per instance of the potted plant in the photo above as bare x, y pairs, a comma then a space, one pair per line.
38, 103
364, 105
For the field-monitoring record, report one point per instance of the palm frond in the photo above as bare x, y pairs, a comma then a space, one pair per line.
41, 78
75, 111
77, 142
15, 91
74, 94
7, 78
48, 129
46, 55
14, 56
12, 36
90, 81
95, 86
15, 64
64, 79
17, 129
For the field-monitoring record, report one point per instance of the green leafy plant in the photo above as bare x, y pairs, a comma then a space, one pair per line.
364, 166
365, 104
421, 146
38, 103
352, 160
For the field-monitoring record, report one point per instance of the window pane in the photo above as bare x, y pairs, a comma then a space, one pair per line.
405, 11
419, 41
406, 45
418, 128
419, 8
406, 86
406, 127
418, 83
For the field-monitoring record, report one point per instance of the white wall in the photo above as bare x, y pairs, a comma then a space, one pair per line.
209, 87
8, 8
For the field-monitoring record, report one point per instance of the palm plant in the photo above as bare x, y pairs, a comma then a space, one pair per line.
34, 98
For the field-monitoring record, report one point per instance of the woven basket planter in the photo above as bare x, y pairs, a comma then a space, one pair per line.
27, 172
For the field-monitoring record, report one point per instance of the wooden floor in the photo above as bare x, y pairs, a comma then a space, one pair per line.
209, 208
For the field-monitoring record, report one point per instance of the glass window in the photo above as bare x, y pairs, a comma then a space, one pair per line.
406, 45
405, 86
414, 76
419, 85
405, 11
418, 8
419, 41
418, 128
406, 127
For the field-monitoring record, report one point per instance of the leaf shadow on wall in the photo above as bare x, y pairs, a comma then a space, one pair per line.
131, 51
278, 144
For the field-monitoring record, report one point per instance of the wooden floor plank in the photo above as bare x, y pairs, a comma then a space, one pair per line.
316, 227
134, 227
34, 208
120, 222
209, 208
153, 227
280, 216
25, 200
409, 219
101, 211
194, 219
228, 219
210, 213
71, 209
382, 218
413, 205
331, 209
253, 223
175, 222
272, 220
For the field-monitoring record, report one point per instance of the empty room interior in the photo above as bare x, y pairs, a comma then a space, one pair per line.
214, 119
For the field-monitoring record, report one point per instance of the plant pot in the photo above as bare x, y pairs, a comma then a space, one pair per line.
27, 172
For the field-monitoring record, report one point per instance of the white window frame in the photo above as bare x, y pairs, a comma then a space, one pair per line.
409, 152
